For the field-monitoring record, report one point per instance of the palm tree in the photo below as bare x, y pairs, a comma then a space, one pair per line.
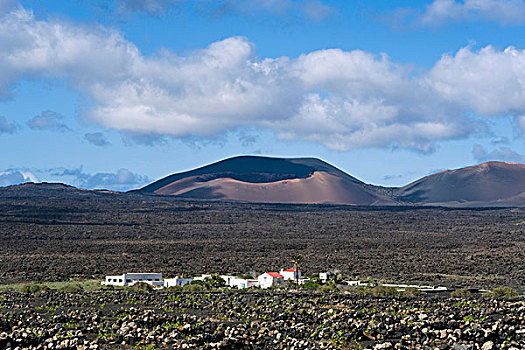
297, 259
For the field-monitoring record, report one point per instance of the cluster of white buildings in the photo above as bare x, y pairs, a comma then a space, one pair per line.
264, 281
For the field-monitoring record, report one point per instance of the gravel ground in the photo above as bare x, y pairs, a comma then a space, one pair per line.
256, 320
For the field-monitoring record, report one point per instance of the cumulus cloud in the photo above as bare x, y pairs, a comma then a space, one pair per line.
97, 139
500, 141
6, 5
48, 120
15, 177
150, 7
340, 99
511, 12
502, 153
314, 10
488, 81
6, 127
121, 180
247, 139
317, 11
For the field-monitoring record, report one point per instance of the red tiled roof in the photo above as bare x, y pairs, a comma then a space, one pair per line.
275, 274
291, 269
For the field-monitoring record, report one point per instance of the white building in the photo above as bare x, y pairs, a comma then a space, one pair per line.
290, 274
240, 283
201, 277
177, 281
357, 283
129, 279
324, 276
270, 279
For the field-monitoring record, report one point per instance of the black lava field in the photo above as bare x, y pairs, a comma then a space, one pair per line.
54, 233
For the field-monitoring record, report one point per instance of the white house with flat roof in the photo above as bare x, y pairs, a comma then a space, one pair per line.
129, 279
201, 277
240, 283
177, 281
325, 276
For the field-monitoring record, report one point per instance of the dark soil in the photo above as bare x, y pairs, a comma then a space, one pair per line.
52, 233
237, 320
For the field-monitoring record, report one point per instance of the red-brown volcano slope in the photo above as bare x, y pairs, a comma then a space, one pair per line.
269, 180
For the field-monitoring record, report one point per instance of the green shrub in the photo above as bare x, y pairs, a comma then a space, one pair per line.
384, 291
173, 289
214, 281
191, 287
141, 287
412, 292
33, 288
361, 290
310, 285
72, 288
329, 287
501, 292
463, 292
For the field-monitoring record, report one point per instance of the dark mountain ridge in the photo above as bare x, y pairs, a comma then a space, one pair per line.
257, 179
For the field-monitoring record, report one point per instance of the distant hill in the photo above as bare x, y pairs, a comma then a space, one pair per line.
312, 181
487, 184
46, 190
269, 180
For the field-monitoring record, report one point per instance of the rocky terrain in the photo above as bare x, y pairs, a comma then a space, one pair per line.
235, 320
54, 233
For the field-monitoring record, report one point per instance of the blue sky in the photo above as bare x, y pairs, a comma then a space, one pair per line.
117, 94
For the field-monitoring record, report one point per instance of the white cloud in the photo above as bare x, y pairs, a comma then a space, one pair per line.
6, 5
489, 81
6, 127
121, 180
48, 120
341, 99
317, 11
97, 139
150, 7
502, 154
314, 10
511, 12
15, 177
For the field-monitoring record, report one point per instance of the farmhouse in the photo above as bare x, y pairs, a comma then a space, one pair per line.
129, 279
177, 281
240, 283
290, 274
270, 279
201, 277
324, 276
